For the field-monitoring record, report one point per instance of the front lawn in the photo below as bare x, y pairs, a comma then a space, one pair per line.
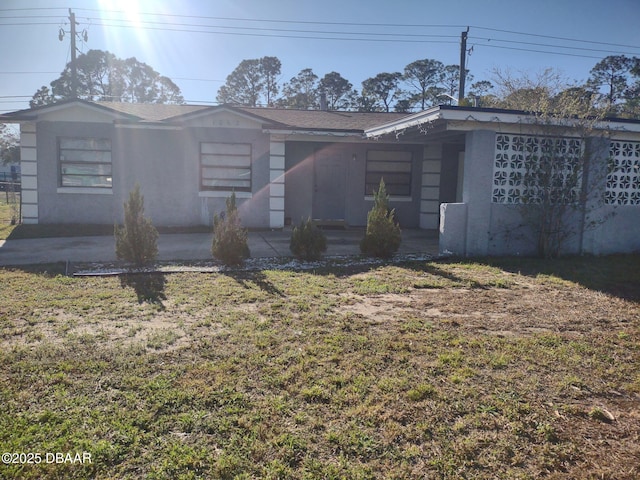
504, 369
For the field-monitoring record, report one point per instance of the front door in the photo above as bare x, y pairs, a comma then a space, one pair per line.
329, 184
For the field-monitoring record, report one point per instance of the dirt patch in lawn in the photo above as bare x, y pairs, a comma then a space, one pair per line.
524, 309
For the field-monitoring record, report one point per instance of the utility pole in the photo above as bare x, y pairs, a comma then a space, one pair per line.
74, 50
74, 71
463, 65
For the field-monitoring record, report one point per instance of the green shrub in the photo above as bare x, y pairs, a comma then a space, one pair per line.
136, 241
308, 242
229, 238
382, 238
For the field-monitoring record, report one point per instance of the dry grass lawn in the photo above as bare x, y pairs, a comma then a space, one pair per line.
513, 369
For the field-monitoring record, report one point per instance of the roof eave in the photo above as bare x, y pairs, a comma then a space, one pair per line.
287, 130
401, 124
32, 114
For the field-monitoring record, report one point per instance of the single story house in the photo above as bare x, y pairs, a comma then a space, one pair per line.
458, 169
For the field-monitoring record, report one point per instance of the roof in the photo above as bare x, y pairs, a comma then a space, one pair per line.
279, 118
152, 112
462, 118
372, 124
324, 120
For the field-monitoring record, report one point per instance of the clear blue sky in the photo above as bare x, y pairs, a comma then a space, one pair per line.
358, 39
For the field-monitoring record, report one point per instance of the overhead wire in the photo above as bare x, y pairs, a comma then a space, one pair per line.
583, 45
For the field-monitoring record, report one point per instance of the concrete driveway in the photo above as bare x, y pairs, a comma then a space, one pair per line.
193, 246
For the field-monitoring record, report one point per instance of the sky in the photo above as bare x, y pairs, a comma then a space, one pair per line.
197, 43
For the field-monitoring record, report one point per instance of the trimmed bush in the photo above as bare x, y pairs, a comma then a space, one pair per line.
136, 241
308, 242
382, 238
229, 238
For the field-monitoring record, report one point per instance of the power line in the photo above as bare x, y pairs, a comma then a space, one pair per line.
322, 34
538, 51
315, 22
307, 37
557, 38
364, 24
26, 73
548, 45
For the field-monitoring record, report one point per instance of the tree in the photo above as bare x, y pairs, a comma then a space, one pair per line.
136, 240
338, 90
301, 91
270, 68
244, 85
382, 90
529, 93
229, 238
424, 76
139, 83
382, 237
610, 76
307, 241
479, 93
451, 80
252, 83
9, 145
42, 97
102, 76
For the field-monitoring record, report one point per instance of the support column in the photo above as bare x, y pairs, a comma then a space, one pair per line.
29, 173
276, 181
430, 186
477, 187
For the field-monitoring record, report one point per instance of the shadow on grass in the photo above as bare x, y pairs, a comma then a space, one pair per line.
256, 277
85, 230
149, 287
617, 275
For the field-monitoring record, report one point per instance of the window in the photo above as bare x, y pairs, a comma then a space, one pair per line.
394, 167
85, 162
225, 166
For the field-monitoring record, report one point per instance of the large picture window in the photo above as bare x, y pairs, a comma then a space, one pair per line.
394, 167
225, 166
85, 162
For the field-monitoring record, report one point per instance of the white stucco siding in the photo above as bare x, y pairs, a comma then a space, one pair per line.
276, 181
29, 172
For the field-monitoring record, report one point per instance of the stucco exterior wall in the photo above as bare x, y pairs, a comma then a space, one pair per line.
53, 207
300, 185
166, 164
480, 227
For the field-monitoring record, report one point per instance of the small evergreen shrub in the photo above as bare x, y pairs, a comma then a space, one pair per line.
229, 238
308, 242
136, 241
382, 238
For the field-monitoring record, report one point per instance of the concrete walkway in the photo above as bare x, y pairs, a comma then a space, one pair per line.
193, 246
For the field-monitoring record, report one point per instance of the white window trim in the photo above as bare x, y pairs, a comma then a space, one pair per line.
223, 194
86, 190
370, 198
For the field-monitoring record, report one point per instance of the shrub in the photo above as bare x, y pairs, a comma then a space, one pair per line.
136, 240
382, 238
308, 242
229, 238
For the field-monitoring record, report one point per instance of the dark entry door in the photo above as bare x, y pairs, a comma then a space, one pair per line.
329, 185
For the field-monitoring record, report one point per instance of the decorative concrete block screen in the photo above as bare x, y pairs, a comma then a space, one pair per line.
623, 179
528, 167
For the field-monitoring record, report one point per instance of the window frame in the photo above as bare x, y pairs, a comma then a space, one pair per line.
227, 163
83, 163
390, 185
